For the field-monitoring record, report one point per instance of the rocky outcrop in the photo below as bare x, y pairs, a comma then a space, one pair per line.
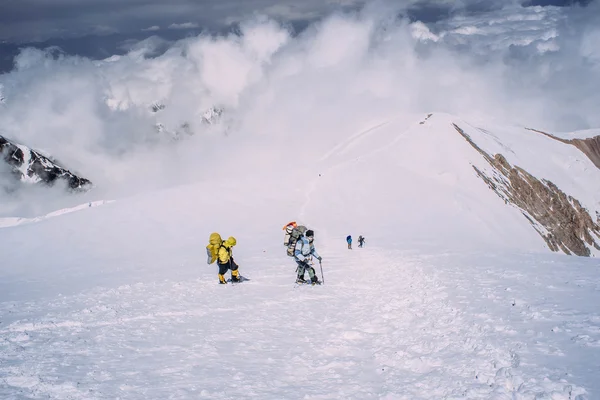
590, 146
31, 166
156, 107
559, 218
209, 117
426, 118
212, 115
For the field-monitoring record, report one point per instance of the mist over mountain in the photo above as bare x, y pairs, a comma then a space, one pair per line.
141, 119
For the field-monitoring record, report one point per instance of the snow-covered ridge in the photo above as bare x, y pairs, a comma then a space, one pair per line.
557, 217
30, 166
431, 177
587, 141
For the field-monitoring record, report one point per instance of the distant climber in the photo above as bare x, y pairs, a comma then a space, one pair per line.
361, 241
304, 252
349, 241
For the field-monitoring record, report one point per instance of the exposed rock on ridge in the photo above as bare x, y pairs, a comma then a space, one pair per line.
590, 146
28, 165
209, 117
559, 218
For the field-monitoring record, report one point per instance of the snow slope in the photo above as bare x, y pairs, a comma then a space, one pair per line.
415, 182
454, 295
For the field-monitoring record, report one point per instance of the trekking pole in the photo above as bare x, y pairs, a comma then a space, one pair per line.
322, 277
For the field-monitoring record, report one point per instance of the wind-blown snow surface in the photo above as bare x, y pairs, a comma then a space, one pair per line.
452, 296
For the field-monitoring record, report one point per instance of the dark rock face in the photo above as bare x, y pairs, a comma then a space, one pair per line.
156, 107
590, 147
559, 218
28, 165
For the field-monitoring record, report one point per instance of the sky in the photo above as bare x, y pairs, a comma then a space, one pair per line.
82, 94
37, 20
98, 29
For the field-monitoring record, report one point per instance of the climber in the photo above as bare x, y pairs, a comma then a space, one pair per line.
303, 254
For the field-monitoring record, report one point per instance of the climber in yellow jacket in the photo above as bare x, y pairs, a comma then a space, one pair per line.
226, 262
221, 251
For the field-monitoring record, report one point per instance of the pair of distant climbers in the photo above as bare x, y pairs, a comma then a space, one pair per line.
221, 251
300, 244
361, 241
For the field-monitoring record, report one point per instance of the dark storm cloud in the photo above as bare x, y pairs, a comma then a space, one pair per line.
38, 20
100, 28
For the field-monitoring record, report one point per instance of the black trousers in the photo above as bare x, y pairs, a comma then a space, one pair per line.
229, 265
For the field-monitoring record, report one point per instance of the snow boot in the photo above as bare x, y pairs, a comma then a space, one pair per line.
300, 279
222, 280
235, 277
315, 281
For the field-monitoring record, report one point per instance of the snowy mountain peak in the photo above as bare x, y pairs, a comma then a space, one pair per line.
430, 178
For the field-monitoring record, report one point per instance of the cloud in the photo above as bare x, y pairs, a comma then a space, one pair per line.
513, 26
533, 66
152, 28
103, 30
184, 25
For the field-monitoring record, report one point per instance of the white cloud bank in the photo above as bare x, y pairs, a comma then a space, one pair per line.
184, 25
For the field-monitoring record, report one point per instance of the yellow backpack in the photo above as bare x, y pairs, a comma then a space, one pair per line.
212, 250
